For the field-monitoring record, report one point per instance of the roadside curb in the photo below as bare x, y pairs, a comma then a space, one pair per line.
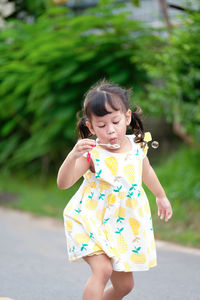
176, 247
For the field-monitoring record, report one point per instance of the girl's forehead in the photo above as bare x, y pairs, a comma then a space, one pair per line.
111, 115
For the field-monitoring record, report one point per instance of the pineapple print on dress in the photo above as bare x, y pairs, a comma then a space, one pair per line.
81, 238
120, 214
129, 172
96, 248
127, 267
122, 195
131, 203
138, 258
111, 199
141, 212
68, 225
86, 190
135, 225
103, 185
87, 175
95, 154
100, 214
112, 164
152, 263
87, 224
121, 244
91, 203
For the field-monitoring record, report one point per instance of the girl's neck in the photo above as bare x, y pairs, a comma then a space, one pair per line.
125, 145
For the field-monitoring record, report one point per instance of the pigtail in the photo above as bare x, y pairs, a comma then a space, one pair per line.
137, 128
83, 131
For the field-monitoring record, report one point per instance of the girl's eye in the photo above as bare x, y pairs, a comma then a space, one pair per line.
102, 126
116, 122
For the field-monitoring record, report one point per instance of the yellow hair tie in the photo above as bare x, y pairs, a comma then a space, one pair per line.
147, 137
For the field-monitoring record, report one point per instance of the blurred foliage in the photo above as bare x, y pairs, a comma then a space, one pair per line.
31, 8
25, 8
174, 66
46, 67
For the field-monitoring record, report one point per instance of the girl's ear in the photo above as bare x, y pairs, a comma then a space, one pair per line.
128, 117
89, 126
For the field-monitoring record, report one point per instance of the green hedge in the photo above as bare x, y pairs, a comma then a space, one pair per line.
175, 72
47, 67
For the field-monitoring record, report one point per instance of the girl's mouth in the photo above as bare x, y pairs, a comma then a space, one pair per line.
113, 141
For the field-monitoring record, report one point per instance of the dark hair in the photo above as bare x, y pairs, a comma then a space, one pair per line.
118, 98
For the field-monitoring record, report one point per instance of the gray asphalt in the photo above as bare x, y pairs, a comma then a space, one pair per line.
34, 265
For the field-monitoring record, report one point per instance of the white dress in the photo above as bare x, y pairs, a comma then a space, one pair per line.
110, 212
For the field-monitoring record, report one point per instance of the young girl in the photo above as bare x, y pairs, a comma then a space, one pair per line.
108, 221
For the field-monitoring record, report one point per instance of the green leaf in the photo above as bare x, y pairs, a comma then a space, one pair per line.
8, 127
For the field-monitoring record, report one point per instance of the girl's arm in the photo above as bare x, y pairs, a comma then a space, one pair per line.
75, 165
151, 181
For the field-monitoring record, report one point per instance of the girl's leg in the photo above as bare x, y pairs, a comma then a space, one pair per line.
101, 271
122, 284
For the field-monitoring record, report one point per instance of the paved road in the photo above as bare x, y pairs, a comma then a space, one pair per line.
34, 265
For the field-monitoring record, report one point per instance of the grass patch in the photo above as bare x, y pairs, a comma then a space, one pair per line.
34, 196
179, 176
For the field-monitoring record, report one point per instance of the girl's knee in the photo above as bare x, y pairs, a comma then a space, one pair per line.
124, 287
128, 286
101, 267
104, 271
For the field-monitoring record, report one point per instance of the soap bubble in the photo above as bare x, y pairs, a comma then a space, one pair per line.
155, 144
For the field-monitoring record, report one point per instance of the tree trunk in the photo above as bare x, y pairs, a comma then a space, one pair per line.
163, 7
178, 130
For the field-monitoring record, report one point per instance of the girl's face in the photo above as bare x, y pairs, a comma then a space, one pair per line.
111, 128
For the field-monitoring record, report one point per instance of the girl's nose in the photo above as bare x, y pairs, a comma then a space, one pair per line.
110, 129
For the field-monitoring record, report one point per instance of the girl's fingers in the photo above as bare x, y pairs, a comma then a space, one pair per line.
85, 147
164, 210
166, 217
159, 212
162, 214
169, 214
87, 142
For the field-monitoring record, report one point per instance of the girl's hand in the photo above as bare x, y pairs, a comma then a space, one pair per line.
164, 208
82, 146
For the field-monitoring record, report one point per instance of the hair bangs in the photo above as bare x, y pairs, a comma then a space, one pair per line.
112, 102
98, 104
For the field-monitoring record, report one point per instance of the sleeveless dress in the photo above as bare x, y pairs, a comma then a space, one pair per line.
110, 212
